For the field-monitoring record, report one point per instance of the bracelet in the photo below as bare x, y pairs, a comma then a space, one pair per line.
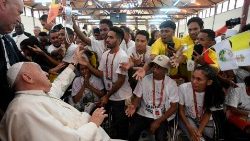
74, 64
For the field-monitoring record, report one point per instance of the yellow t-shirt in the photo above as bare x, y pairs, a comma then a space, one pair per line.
160, 48
211, 53
187, 40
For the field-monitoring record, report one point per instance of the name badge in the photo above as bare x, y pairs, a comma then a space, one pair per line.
109, 84
190, 65
157, 113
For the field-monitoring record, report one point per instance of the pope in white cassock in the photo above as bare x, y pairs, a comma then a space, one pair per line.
38, 114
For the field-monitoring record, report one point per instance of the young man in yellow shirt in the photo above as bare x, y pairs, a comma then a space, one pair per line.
167, 44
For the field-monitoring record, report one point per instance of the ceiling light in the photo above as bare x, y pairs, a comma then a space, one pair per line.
156, 20
173, 9
192, 1
160, 16
44, 4
94, 21
90, 2
84, 17
197, 3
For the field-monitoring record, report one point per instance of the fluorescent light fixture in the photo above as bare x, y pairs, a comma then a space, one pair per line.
192, 1
154, 23
173, 9
90, 2
84, 17
156, 20
94, 20
160, 16
44, 4
133, 20
176, 2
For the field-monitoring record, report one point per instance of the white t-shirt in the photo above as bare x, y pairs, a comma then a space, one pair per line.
187, 99
145, 57
238, 98
125, 91
19, 38
51, 48
70, 53
144, 89
125, 46
241, 74
98, 46
93, 81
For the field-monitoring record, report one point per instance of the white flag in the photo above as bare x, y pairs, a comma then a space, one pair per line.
225, 55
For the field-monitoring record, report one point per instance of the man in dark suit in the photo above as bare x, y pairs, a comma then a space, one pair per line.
10, 11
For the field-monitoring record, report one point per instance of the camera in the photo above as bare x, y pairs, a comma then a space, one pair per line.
233, 22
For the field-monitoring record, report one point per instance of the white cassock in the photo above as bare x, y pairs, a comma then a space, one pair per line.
36, 116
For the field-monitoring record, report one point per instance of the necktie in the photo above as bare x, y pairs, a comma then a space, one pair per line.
11, 53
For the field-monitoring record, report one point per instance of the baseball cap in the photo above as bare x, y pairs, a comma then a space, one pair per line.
161, 60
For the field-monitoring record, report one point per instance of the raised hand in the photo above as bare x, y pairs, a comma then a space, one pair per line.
137, 60
174, 61
198, 59
36, 49
125, 66
139, 74
98, 116
81, 60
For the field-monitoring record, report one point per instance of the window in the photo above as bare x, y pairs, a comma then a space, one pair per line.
36, 14
208, 12
200, 14
212, 11
219, 8
204, 14
239, 3
225, 6
57, 20
182, 22
231, 4
28, 12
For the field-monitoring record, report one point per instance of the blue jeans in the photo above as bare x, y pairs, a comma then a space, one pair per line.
208, 130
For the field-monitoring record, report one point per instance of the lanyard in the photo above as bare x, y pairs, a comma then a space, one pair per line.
196, 107
161, 98
111, 69
143, 59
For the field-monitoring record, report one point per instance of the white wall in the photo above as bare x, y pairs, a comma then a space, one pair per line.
220, 20
28, 24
